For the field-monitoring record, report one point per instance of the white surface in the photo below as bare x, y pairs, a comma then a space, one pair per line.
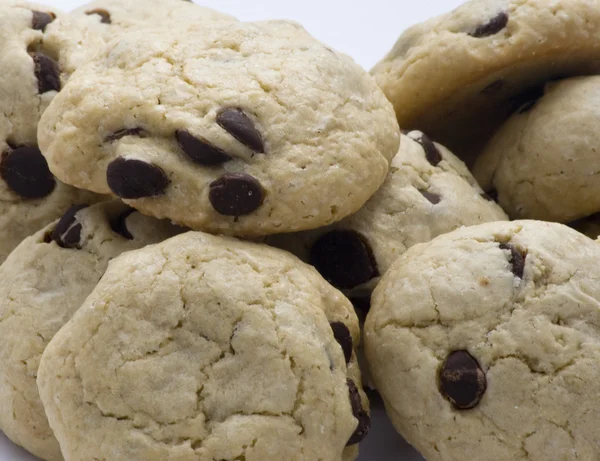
366, 30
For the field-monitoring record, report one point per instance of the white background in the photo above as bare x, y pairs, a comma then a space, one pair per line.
366, 30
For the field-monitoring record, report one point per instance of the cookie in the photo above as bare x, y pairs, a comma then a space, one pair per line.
39, 49
428, 192
543, 161
458, 76
42, 283
237, 128
113, 17
590, 226
206, 347
484, 344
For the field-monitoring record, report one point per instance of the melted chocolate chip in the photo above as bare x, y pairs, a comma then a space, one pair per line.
344, 258
517, 259
119, 224
104, 15
492, 27
199, 150
125, 132
241, 127
344, 338
461, 380
67, 233
40, 20
364, 420
131, 179
236, 194
47, 73
433, 198
25, 170
432, 153
491, 195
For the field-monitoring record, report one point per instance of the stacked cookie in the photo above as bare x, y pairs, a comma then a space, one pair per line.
483, 341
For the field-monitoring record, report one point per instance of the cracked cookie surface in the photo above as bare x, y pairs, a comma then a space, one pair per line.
207, 348
43, 282
40, 48
475, 65
486, 340
428, 192
239, 128
543, 162
111, 17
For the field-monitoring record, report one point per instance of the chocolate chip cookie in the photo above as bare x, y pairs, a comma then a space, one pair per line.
238, 128
43, 282
484, 344
458, 76
39, 49
206, 347
428, 192
111, 18
543, 162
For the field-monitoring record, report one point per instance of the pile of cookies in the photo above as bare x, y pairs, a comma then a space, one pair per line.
201, 214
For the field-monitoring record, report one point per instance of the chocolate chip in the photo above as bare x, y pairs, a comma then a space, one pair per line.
104, 15
432, 153
236, 194
40, 20
241, 127
119, 224
344, 338
344, 258
26, 172
361, 303
364, 420
199, 150
47, 73
125, 132
492, 27
491, 195
461, 380
67, 233
494, 87
517, 259
433, 198
131, 179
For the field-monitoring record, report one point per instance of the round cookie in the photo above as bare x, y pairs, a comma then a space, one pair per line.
111, 17
484, 344
43, 282
475, 65
39, 49
428, 192
238, 128
206, 347
543, 162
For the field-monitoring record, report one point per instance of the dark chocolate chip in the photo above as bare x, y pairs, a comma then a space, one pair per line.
125, 132
47, 73
344, 258
461, 380
433, 198
364, 420
236, 194
40, 20
491, 195
492, 27
494, 87
26, 172
241, 127
517, 259
67, 233
119, 224
199, 150
131, 179
432, 153
104, 15
344, 338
